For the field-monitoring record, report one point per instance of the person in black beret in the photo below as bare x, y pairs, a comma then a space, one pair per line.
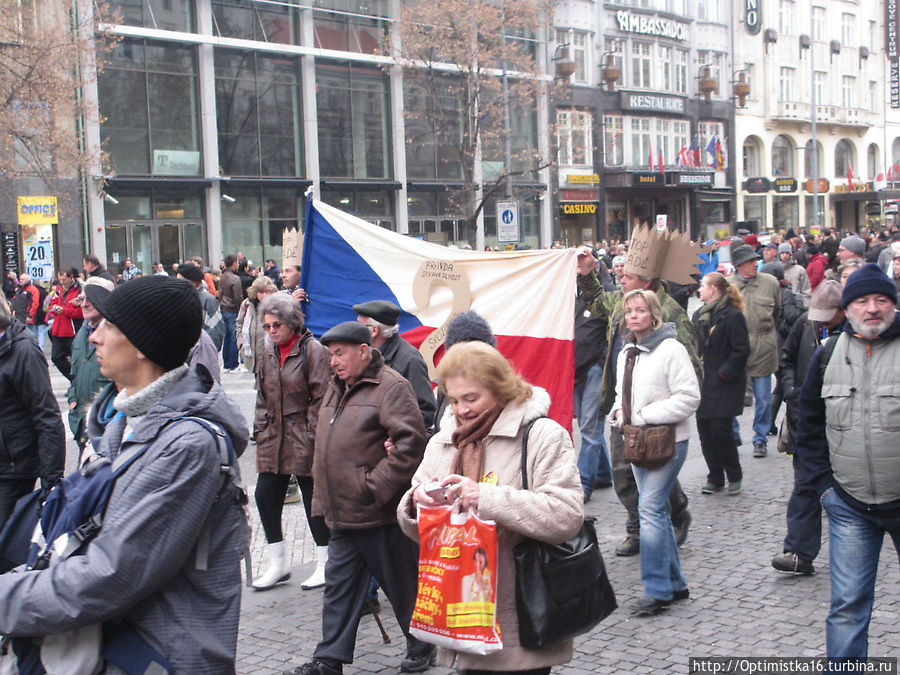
358, 485
381, 317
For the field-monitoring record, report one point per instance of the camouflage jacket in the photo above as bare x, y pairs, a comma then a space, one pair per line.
609, 305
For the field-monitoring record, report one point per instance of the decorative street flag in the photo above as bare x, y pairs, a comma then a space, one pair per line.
527, 297
850, 175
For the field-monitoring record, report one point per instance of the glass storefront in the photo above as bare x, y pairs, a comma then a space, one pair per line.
755, 209
785, 212
255, 222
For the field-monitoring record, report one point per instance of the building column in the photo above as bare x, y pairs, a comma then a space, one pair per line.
310, 120
209, 140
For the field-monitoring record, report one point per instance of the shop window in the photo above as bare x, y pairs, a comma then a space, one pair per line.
785, 212
254, 223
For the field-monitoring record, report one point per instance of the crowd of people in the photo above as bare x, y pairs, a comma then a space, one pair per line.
351, 418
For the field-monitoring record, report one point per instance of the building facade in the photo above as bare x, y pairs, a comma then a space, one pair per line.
647, 133
819, 134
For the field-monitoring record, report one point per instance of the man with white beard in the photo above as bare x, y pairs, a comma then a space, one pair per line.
849, 415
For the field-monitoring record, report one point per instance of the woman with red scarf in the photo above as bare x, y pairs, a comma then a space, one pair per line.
67, 318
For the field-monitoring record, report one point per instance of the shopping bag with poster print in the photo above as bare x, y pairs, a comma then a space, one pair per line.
456, 602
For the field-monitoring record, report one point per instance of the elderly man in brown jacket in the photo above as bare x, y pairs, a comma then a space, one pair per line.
358, 485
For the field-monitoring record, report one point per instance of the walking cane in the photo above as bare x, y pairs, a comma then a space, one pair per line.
384, 636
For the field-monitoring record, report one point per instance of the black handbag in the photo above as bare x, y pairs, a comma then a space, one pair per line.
562, 590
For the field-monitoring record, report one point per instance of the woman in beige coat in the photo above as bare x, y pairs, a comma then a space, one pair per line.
476, 454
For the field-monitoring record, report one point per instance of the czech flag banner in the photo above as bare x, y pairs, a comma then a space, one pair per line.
527, 297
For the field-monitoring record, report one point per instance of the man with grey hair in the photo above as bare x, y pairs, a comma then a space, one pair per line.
847, 451
381, 317
34, 439
851, 247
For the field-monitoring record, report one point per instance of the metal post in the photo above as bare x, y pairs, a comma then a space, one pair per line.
815, 143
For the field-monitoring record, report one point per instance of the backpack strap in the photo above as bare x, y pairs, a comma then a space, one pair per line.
228, 477
828, 347
524, 454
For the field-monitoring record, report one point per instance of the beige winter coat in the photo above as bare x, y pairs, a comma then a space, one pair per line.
551, 510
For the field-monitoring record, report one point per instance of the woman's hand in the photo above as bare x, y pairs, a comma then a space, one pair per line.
422, 498
462, 488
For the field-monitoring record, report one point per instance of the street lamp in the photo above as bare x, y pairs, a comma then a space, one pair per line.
610, 73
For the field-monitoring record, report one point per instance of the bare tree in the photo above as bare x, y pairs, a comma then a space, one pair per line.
457, 55
47, 52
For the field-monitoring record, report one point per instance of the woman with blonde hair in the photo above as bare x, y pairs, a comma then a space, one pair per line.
476, 455
655, 385
724, 346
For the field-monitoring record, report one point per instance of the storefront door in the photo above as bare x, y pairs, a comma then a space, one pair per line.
148, 242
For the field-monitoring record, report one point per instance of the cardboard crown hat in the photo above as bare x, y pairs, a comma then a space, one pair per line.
663, 255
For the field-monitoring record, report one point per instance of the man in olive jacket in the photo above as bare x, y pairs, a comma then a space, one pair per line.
762, 297
610, 305
358, 485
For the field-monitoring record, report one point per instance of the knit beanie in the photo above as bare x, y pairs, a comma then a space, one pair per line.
785, 248
854, 244
866, 280
469, 327
161, 316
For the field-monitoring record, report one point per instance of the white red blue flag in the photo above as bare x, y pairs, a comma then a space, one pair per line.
527, 297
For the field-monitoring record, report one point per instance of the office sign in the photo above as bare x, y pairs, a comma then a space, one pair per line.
37, 210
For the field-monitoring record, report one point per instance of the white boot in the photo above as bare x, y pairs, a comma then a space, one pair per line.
317, 578
276, 568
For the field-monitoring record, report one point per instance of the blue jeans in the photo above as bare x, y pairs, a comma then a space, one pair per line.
660, 565
229, 347
762, 409
40, 332
593, 459
855, 546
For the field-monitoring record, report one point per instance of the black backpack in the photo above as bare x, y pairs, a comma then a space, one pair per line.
40, 316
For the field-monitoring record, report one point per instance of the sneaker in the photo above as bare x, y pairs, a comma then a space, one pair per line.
681, 529
709, 488
647, 606
734, 487
630, 546
418, 664
314, 667
759, 450
791, 562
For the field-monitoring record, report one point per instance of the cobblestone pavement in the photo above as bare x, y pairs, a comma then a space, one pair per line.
739, 605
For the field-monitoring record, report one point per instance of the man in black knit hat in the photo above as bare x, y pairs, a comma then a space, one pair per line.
163, 572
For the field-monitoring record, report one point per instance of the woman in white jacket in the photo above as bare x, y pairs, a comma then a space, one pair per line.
477, 454
664, 390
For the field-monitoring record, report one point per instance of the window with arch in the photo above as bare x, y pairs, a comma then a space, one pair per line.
782, 156
872, 161
808, 160
752, 157
843, 157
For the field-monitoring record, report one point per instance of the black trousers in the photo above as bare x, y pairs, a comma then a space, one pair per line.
61, 354
270, 491
317, 524
353, 557
719, 450
627, 492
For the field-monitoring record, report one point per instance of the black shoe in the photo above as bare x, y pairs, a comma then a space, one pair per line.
602, 484
773, 430
760, 450
418, 664
631, 545
681, 529
586, 495
791, 562
647, 606
314, 667
683, 594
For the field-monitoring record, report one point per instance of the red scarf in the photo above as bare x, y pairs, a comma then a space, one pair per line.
285, 349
